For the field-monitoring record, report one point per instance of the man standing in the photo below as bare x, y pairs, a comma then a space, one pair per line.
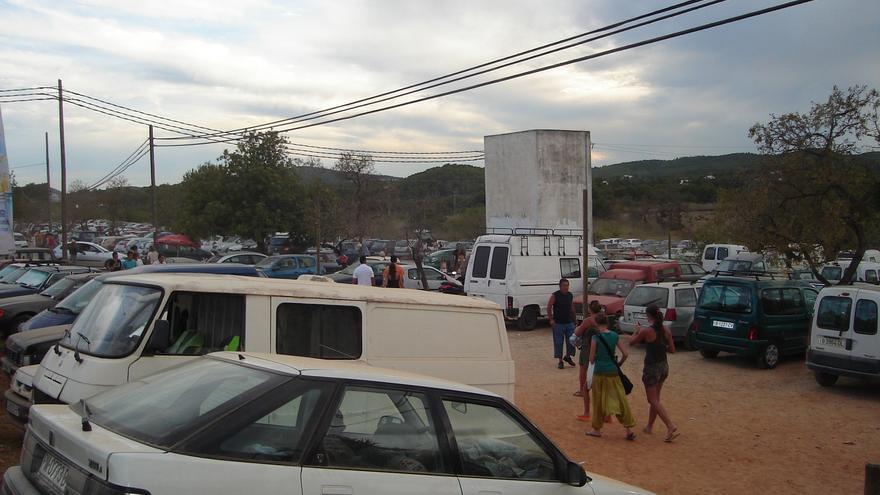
561, 311
363, 274
152, 255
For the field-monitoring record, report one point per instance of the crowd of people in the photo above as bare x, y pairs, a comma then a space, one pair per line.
602, 384
133, 260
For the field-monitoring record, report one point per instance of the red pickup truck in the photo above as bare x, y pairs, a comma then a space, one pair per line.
613, 285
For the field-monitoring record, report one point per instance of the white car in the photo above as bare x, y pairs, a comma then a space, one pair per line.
232, 423
88, 254
19, 240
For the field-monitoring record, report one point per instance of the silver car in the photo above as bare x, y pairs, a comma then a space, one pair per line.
677, 301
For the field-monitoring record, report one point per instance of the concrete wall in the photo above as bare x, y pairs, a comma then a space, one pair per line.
536, 179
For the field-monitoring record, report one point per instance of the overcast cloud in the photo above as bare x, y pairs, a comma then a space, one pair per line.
228, 64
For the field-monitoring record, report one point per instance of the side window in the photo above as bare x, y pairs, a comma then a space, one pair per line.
306, 262
810, 299
498, 271
833, 313
698, 270
771, 302
792, 302
759, 267
685, 298
318, 331
492, 444
871, 276
387, 430
205, 322
570, 267
412, 274
865, 321
686, 269
481, 262
709, 254
723, 253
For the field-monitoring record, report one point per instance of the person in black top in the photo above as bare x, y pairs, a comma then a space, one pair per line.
561, 311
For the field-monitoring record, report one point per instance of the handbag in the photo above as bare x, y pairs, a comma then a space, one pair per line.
627, 384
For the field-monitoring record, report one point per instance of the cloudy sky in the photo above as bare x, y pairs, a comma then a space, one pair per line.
228, 64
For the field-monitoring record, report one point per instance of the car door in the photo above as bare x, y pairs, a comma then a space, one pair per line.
832, 333
85, 253
382, 441
500, 453
865, 344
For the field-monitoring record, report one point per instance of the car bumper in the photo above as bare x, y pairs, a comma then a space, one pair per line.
834, 364
8, 366
15, 483
743, 347
17, 408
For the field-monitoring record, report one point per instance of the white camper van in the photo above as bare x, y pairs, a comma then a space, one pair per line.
714, 254
141, 324
520, 270
867, 271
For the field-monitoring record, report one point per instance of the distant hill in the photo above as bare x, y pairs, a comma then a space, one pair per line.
329, 176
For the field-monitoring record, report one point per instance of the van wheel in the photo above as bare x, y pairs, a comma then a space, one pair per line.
690, 340
768, 358
825, 379
708, 354
528, 320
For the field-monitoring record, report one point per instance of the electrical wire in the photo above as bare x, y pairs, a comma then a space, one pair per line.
121, 165
135, 160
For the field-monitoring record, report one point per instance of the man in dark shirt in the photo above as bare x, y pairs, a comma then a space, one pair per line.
561, 311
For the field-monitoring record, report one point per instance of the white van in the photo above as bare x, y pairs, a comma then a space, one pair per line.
140, 324
714, 254
521, 271
867, 271
844, 340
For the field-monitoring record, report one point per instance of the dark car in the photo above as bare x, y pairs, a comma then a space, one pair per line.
37, 278
16, 310
31, 255
759, 317
279, 244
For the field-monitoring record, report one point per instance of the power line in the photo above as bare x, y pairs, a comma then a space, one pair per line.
124, 164
41, 164
671, 146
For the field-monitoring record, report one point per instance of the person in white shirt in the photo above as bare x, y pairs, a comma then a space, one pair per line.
363, 274
153, 255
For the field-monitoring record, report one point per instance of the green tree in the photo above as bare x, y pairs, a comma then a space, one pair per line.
358, 171
812, 198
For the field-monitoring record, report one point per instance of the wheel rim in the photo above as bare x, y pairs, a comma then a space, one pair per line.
771, 355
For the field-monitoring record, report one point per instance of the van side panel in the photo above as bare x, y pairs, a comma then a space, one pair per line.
258, 317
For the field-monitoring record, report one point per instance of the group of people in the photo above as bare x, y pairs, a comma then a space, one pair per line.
392, 276
132, 260
601, 381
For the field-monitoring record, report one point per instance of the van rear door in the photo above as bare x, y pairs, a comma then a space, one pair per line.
832, 332
488, 272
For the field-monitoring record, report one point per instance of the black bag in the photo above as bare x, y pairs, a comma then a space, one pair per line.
627, 384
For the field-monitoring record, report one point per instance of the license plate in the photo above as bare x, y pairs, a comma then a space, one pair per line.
13, 409
53, 473
831, 342
723, 324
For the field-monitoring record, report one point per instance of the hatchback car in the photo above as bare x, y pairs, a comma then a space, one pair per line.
288, 266
247, 258
758, 317
257, 423
677, 301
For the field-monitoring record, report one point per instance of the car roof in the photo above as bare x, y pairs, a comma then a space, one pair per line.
756, 280
677, 285
744, 256
205, 282
64, 268
639, 264
343, 369
225, 269
623, 274
860, 286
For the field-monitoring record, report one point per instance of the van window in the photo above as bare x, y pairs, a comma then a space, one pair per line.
481, 262
871, 276
782, 302
723, 253
726, 298
810, 298
318, 331
865, 321
685, 298
570, 267
710, 254
499, 264
204, 322
834, 313
832, 272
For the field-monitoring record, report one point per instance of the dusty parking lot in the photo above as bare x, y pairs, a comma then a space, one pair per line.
744, 430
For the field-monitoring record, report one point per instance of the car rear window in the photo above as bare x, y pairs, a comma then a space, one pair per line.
832, 273
643, 296
685, 298
834, 313
727, 299
481, 262
865, 321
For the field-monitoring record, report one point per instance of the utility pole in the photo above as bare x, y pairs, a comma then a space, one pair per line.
318, 231
63, 173
48, 185
153, 191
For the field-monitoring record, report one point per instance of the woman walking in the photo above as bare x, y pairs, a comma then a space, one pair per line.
585, 332
658, 341
609, 398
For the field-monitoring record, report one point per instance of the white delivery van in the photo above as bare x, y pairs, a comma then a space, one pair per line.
714, 254
140, 324
520, 271
844, 339
867, 271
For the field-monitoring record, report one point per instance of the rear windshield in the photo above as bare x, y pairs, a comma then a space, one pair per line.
832, 273
643, 296
735, 266
611, 287
726, 299
834, 313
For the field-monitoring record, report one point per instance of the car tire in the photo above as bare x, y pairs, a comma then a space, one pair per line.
528, 320
690, 340
769, 356
825, 379
708, 354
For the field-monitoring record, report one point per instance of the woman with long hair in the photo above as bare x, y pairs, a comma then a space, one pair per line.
609, 398
658, 341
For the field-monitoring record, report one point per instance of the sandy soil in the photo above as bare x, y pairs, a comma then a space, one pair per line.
744, 430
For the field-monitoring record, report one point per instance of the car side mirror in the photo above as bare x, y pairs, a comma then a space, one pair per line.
160, 339
575, 475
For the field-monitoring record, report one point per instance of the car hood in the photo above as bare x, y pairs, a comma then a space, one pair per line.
33, 301
612, 304
16, 291
47, 318
23, 340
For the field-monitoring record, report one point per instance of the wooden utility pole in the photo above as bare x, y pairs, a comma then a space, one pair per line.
153, 191
63, 172
48, 185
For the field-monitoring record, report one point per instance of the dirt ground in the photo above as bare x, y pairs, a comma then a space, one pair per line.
744, 430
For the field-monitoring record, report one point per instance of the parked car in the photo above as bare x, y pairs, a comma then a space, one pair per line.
411, 281
437, 257
288, 266
294, 421
867, 272
16, 310
280, 243
744, 262
31, 255
614, 285
86, 253
403, 249
807, 276
37, 278
691, 271
19, 240
844, 340
677, 301
714, 254
756, 317
246, 258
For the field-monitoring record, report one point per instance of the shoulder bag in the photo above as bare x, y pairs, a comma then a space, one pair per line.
627, 384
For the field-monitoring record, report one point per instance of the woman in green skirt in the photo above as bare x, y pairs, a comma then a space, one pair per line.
609, 398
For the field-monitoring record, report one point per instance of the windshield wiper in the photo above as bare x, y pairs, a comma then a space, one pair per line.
76, 355
56, 347
86, 426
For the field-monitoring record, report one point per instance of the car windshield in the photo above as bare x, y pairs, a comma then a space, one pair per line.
267, 262
726, 299
80, 298
59, 289
166, 407
611, 287
33, 278
114, 322
278, 241
832, 273
12, 276
645, 295
735, 266
7, 270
